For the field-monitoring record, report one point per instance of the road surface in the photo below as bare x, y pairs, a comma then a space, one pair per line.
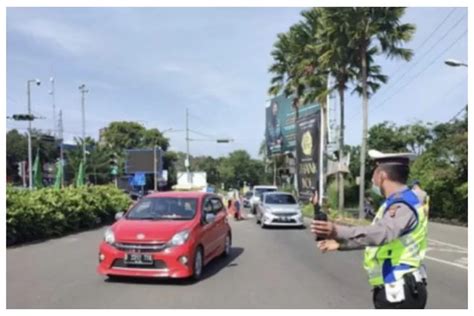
271, 268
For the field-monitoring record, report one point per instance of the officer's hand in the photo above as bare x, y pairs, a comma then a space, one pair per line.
328, 245
323, 229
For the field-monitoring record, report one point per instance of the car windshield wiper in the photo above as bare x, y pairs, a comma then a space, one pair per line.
145, 218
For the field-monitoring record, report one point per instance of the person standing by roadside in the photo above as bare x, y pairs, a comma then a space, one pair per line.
236, 205
395, 244
422, 195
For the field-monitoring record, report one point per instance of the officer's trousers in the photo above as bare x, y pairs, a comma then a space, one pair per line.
415, 296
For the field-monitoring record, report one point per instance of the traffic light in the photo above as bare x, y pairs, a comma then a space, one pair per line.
113, 162
23, 117
20, 168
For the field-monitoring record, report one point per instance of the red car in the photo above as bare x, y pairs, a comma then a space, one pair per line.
166, 234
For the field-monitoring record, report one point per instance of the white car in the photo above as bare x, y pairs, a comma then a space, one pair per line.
257, 191
279, 209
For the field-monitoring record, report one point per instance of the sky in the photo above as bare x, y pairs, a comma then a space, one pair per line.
149, 64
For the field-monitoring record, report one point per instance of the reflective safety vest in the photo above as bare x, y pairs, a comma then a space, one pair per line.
389, 262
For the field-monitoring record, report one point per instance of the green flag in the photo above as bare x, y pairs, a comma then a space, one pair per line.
80, 175
59, 175
37, 174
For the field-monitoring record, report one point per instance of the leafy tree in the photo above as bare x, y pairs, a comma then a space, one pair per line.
97, 162
442, 170
208, 165
417, 136
387, 137
17, 150
170, 160
238, 168
124, 135
121, 136
153, 137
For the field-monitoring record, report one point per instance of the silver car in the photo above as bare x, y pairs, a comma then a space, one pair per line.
279, 209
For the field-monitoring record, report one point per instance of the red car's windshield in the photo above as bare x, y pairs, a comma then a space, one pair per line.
163, 208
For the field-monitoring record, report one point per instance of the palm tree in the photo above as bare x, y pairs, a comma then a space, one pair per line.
297, 68
374, 30
336, 56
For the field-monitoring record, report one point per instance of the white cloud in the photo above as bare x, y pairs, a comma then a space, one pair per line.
73, 40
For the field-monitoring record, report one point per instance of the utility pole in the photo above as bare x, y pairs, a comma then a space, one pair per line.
83, 90
61, 147
30, 155
54, 105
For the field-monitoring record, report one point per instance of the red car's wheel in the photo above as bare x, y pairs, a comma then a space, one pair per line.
198, 264
227, 246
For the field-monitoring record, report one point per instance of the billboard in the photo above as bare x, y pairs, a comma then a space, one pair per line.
280, 127
307, 153
142, 161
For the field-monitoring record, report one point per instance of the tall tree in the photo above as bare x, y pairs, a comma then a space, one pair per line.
374, 29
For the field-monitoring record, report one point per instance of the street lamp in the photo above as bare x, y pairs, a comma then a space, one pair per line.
83, 90
454, 63
30, 155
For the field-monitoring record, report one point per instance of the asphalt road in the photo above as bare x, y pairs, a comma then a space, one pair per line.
271, 268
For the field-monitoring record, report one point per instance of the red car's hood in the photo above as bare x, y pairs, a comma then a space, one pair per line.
150, 231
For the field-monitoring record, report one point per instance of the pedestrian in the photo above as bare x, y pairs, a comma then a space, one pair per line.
416, 187
237, 214
395, 243
422, 195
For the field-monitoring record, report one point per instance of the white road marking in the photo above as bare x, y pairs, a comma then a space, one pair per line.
447, 262
463, 260
446, 244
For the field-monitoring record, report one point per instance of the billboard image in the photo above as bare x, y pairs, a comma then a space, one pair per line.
307, 138
280, 127
142, 161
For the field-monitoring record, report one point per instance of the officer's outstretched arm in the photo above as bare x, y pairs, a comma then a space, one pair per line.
394, 222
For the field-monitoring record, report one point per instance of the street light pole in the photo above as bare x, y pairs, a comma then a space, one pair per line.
54, 105
454, 63
61, 148
30, 155
83, 90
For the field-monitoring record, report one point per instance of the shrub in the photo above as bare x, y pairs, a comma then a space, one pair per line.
45, 213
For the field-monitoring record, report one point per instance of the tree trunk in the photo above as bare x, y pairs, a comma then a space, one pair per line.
363, 149
341, 149
322, 153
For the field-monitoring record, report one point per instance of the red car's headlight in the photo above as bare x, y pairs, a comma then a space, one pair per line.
109, 236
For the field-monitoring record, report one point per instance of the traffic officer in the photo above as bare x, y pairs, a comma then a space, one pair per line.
395, 243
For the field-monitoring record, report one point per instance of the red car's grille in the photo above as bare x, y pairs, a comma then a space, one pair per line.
157, 264
140, 247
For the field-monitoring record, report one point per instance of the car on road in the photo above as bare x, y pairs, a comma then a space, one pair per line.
279, 209
166, 234
257, 192
247, 196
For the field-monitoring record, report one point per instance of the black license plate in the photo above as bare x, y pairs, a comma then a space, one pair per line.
138, 258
